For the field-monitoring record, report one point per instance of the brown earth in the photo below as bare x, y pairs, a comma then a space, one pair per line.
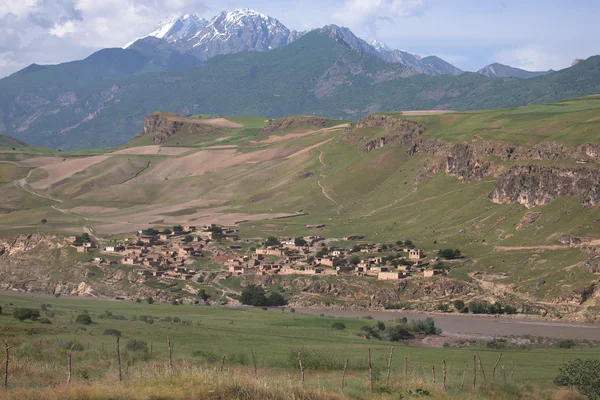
153, 150
41, 161
66, 169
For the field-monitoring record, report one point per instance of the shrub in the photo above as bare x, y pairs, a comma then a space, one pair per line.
566, 344
424, 326
254, 296
83, 319
443, 307
137, 345
146, 318
354, 260
176, 320
26, 313
380, 325
450, 254
112, 332
582, 374
0, 310
459, 305
272, 241
150, 300
44, 321
338, 325
71, 343
478, 307
203, 295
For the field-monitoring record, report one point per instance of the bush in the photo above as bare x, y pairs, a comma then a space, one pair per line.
459, 305
450, 254
272, 241
44, 321
380, 325
137, 345
354, 260
582, 374
0, 310
254, 296
566, 344
71, 343
112, 332
478, 307
424, 326
83, 319
203, 295
443, 307
150, 300
26, 313
338, 325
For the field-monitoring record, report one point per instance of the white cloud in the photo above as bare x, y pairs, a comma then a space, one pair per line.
369, 15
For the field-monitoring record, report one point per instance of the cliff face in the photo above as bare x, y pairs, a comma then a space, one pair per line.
535, 185
161, 126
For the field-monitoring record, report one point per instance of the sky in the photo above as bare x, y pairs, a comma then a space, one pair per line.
528, 34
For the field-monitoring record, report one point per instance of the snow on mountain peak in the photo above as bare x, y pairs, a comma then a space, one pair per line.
380, 46
176, 28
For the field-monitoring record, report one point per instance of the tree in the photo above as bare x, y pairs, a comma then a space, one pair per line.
584, 374
450, 254
408, 243
354, 260
310, 260
150, 300
167, 231
459, 305
356, 248
478, 307
398, 242
203, 295
43, 221
188, 239
276, 299
112, 332
26, 313
254, 296
272, 241
84, 319
178, 228
300, 241
443, 307
384, 247
137, 345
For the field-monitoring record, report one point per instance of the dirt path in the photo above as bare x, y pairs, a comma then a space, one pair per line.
547, 247
22, 183
323, 189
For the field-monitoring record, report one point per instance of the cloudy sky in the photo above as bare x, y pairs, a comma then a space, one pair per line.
530, 34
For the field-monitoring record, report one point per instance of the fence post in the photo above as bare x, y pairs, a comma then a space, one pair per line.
6, 348
504, 374
344, 374
496, 366
512, 372
119, 359
222, 364
170, 349
370, 371
405, 370
462, 385
301, 369
444, 374
474, 371
482, 370
433, 373
387, 382
254, 362
69, 364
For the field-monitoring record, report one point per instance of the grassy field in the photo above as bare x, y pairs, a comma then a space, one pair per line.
202, 336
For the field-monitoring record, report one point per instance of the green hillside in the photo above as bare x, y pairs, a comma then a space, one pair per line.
7, 141
226, 173
315, 75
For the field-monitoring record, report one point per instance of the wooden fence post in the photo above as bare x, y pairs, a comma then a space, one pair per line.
444, 374
482, 371
69, 364
222, 364
433, 373
389, 370
370, 371
119, 359
474, 371
254, 362
462, 385
405, 370
344, 374
496, 366
301, 369
6, 348
170, 349
512, 372
151, 346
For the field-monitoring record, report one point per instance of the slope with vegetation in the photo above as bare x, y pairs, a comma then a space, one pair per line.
514, 189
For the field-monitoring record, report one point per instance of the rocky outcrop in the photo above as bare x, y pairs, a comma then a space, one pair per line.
160, 126
536, 185
461, 162
527, 220
287, 123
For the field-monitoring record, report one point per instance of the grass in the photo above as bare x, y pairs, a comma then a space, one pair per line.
213, 333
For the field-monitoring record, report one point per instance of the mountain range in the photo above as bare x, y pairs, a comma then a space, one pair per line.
246, 63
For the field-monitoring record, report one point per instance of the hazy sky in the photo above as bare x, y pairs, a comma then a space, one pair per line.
530, 34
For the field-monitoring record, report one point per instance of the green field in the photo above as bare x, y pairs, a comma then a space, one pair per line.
207, 334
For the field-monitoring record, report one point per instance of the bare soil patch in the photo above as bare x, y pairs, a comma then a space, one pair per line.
153, 150
92, 210
426, 112
66, 169
41, 161
218, 122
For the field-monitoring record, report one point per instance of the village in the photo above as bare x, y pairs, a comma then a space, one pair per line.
169, 253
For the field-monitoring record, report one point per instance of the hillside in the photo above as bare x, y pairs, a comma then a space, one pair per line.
316, 75
516, 190
7, 141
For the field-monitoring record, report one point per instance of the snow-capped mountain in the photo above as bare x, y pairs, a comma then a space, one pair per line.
176, 29
244, 29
